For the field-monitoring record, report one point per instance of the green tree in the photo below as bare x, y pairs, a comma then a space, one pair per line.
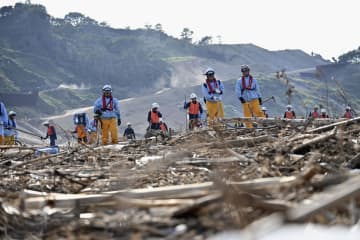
5, 11
350, 57
205, 40
148, 26
186, 34
158, 27
76, 19
104, 24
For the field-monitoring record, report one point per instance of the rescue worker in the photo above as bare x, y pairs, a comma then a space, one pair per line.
348, 113
3, 122
129, 132
323, 113
212, 91
154, 117
94, 125
314, 113
248, 92
81, 121
264, 109
195, 111
10, 131
289, 114
50, 133
108, 108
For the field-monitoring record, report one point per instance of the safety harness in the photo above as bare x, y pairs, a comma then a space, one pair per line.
243, 84
209, 87
108, 106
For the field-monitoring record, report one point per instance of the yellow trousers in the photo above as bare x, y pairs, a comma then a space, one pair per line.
109, 125
252, 109
9, 140
215, 111
1, 140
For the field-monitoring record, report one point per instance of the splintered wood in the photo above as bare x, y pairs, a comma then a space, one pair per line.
191, 186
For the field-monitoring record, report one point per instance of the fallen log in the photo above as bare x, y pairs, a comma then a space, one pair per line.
38, 199
32, 161
189, 208
233, 143
329, 198
17, 153
277, 120
327, 127
17, 147
166, 191
262, 183
211, 161
321, 138
66, 200
352, 131
240, 157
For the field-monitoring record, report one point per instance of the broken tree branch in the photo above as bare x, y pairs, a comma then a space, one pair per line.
330, 198
330, 126
314, 141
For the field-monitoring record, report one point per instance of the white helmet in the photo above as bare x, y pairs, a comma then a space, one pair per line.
12, 113
155, 105
192, 96
323, 110
244, 68
107, 87
348, 108
289, 106
264, 108
46, 123
209, 71
129, 123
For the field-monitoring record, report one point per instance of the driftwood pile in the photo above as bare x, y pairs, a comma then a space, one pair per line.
189, 187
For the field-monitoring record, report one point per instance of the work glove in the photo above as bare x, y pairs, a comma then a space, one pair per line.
242, 100
119, 122
98, 112
260, 101
216, 98
218, 91
42, 138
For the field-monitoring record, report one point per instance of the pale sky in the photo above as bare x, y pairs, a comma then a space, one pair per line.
327, 27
